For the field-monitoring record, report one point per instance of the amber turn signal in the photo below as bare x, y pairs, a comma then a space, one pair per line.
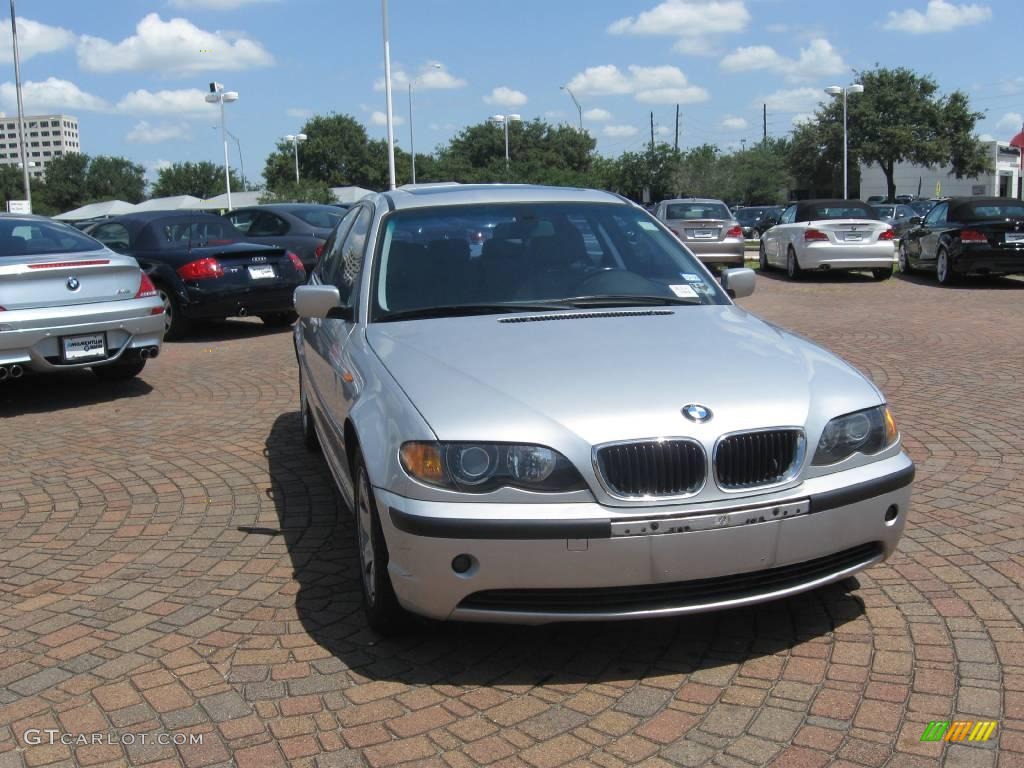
423, 461
891, 433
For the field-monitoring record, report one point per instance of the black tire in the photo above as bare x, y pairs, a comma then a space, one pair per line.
762, 258
119, 371
279, 319
383, 612
943, 270
309, 438
793, 270
882, 274
176, 325
904, 258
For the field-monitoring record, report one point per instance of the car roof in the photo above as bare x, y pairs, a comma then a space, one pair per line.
280, 207
145, 216
696, 200
425, 195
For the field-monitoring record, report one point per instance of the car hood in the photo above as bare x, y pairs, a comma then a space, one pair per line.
594, 377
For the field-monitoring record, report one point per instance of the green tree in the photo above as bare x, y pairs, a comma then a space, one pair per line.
65, 186
336, 152
306, 191
203, 179
114, 178
11, 183
814, 158
757, 176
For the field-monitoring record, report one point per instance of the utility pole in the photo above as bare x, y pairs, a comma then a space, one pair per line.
677, 127
22, 128
652, 133
764, 122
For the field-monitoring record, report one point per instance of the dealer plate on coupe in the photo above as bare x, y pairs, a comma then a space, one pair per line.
86, 347
260, 273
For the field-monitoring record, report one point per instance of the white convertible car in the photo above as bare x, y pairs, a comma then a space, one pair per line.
829, 234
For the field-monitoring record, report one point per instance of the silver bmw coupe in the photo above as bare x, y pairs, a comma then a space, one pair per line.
66, 301
540, 406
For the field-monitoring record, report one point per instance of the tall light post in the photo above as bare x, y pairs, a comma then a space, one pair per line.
295, 139
835, 90
238, 145
572, 96
412, 143
218, 95
21, 108
504, 120
387, 94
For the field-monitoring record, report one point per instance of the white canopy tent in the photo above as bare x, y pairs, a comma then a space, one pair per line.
175, 203
96, 210
349, 194
238, 200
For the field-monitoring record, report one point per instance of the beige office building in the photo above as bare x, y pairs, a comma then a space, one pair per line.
47, 137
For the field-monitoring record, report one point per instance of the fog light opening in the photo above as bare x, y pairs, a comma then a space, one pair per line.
464, 565
891, 514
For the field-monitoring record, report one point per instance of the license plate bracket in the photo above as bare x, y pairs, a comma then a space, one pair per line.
1015, 237
702, 234
261, 272
88, 346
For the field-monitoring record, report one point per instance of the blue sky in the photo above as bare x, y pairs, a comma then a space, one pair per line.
134, 71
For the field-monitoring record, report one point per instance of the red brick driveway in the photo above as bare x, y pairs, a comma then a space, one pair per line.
170, 564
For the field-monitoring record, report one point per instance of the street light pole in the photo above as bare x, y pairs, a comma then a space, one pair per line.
835, 90
579, 109
241, 162
387, 93
505, 120
218, 95
295, 139
23, 143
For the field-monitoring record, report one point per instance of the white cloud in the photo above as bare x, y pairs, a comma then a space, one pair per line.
51, 95
215, 5
734, 123
803, 117
795, 100
503, 96
620, 131
986, 137
379, 118
694, 22
817, 59
649, 85
597, 115
662, 130
145, 133
175, 46
298, 113
432, 76
939, 16
33, 38
1011, 120
185, 102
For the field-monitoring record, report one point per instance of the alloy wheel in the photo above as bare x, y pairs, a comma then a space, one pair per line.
364, 526
168, 309
904, 258
942, 267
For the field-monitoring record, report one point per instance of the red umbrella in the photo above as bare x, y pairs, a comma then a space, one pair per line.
1018, 142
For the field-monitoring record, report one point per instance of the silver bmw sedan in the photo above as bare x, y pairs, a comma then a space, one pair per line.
67, 302
559, 425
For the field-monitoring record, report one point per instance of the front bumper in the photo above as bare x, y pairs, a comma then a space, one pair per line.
835, 525
31, 337
832, 256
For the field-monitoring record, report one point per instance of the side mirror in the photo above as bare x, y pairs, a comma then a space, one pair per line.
318, 301
915, 221
738, 283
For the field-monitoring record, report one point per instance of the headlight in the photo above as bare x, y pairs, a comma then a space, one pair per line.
482, 467
868, 431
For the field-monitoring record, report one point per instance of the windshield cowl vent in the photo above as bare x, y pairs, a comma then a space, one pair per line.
586, 316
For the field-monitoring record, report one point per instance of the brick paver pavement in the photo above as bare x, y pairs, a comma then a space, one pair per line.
170, 563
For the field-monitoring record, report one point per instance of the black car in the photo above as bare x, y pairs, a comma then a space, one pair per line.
203, 268
967, 235
302, 228
755, 219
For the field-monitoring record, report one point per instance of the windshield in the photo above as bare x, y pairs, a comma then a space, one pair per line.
749, 215
324, 218
697, 211
979, 211
32, 237
504, 255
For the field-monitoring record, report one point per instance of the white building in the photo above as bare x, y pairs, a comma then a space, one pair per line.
1004, 181
47, 137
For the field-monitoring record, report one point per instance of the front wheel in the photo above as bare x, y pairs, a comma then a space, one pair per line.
383, 612
943, 269
793, 270
119, 371
904, 257
882, 274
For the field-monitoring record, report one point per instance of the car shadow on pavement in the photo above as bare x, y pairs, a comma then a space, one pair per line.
839, 276
986, 282
65, 389
228, 330
318, 532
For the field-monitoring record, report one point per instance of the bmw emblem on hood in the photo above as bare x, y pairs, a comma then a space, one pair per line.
73, 283
698, 413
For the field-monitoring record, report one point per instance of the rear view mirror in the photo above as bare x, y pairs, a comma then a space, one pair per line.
738, 283
317, 300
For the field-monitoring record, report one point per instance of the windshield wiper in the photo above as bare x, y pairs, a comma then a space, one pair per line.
620, 300
462, 310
